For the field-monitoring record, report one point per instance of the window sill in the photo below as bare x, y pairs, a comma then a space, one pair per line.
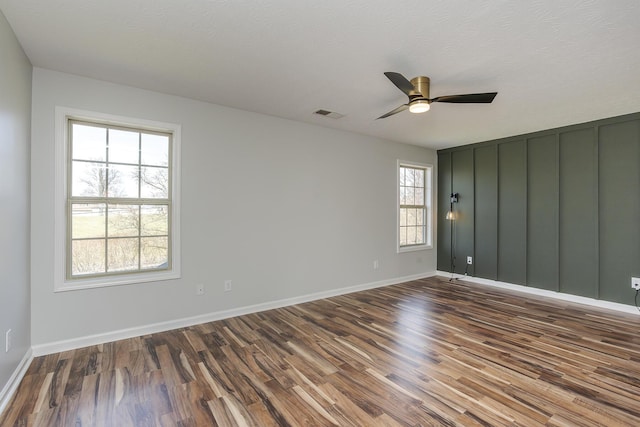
414, 248
125, 279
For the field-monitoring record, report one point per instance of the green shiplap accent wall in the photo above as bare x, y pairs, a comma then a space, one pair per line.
462, 182
542, 213
444, 231
556, 210
512, 212
579, 213
486, 215
619, 187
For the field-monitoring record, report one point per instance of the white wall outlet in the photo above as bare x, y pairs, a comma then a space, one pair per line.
8, 341
635, 283
376, 264
200, 289
469, 260
227, 285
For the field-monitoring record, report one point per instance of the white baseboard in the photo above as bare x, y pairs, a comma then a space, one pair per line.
74, 343
14, 381
545, 293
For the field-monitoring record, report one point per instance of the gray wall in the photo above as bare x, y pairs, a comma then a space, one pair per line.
282, 208
556, 210
15, 119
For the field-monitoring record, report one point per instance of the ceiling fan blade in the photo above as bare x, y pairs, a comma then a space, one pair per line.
401, 82
396, 111
471, 98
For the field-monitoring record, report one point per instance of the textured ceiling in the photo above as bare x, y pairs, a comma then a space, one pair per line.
553, 63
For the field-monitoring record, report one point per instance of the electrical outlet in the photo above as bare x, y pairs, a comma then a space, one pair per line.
635, 283
469, 260
8, 341
376, 264
200, 289
227, 285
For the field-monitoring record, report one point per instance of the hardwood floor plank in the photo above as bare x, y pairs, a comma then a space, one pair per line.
423, 353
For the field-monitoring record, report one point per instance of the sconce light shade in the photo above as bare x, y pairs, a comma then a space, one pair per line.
451, 215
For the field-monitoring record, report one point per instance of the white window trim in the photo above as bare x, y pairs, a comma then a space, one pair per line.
428, 204
61, 282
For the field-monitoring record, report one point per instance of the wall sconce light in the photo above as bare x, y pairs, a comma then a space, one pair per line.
451, 215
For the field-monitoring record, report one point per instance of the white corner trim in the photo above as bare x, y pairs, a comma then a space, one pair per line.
74, 343
14, 381
545, 293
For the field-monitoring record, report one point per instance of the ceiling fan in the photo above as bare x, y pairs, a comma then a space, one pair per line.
418, 92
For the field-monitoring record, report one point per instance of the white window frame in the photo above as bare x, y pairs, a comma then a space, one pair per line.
428, 204
61, 281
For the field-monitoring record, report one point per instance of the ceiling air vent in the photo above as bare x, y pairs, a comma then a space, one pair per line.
328, 113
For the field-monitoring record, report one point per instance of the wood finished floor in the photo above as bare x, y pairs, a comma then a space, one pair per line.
423, 353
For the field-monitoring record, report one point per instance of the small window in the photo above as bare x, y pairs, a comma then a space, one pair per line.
120, 213
414, 206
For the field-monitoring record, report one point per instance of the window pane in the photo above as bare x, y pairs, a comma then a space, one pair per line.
419, 177
124, 220
87, 256
87, 220
420, 216
123, 181
155, 220
122, 255
155, 183
409, 177
410, 199
155, 150
88, 179
419, 235
414, 191
89, 142
411, 235
419, 196
154, 252
411, 217
106, 163
124, 146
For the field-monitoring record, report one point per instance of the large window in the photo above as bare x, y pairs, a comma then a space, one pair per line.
414, 206
120, 210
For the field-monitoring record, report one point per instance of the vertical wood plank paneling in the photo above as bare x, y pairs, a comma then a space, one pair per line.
512, 212
542, 208
558, 210
619, 214
462, 183
578, 213
486, 212
444, 231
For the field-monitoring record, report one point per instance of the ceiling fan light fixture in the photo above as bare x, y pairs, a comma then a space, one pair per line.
418, 92
419, 106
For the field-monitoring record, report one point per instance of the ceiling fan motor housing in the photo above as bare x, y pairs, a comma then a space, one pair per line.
421, 85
